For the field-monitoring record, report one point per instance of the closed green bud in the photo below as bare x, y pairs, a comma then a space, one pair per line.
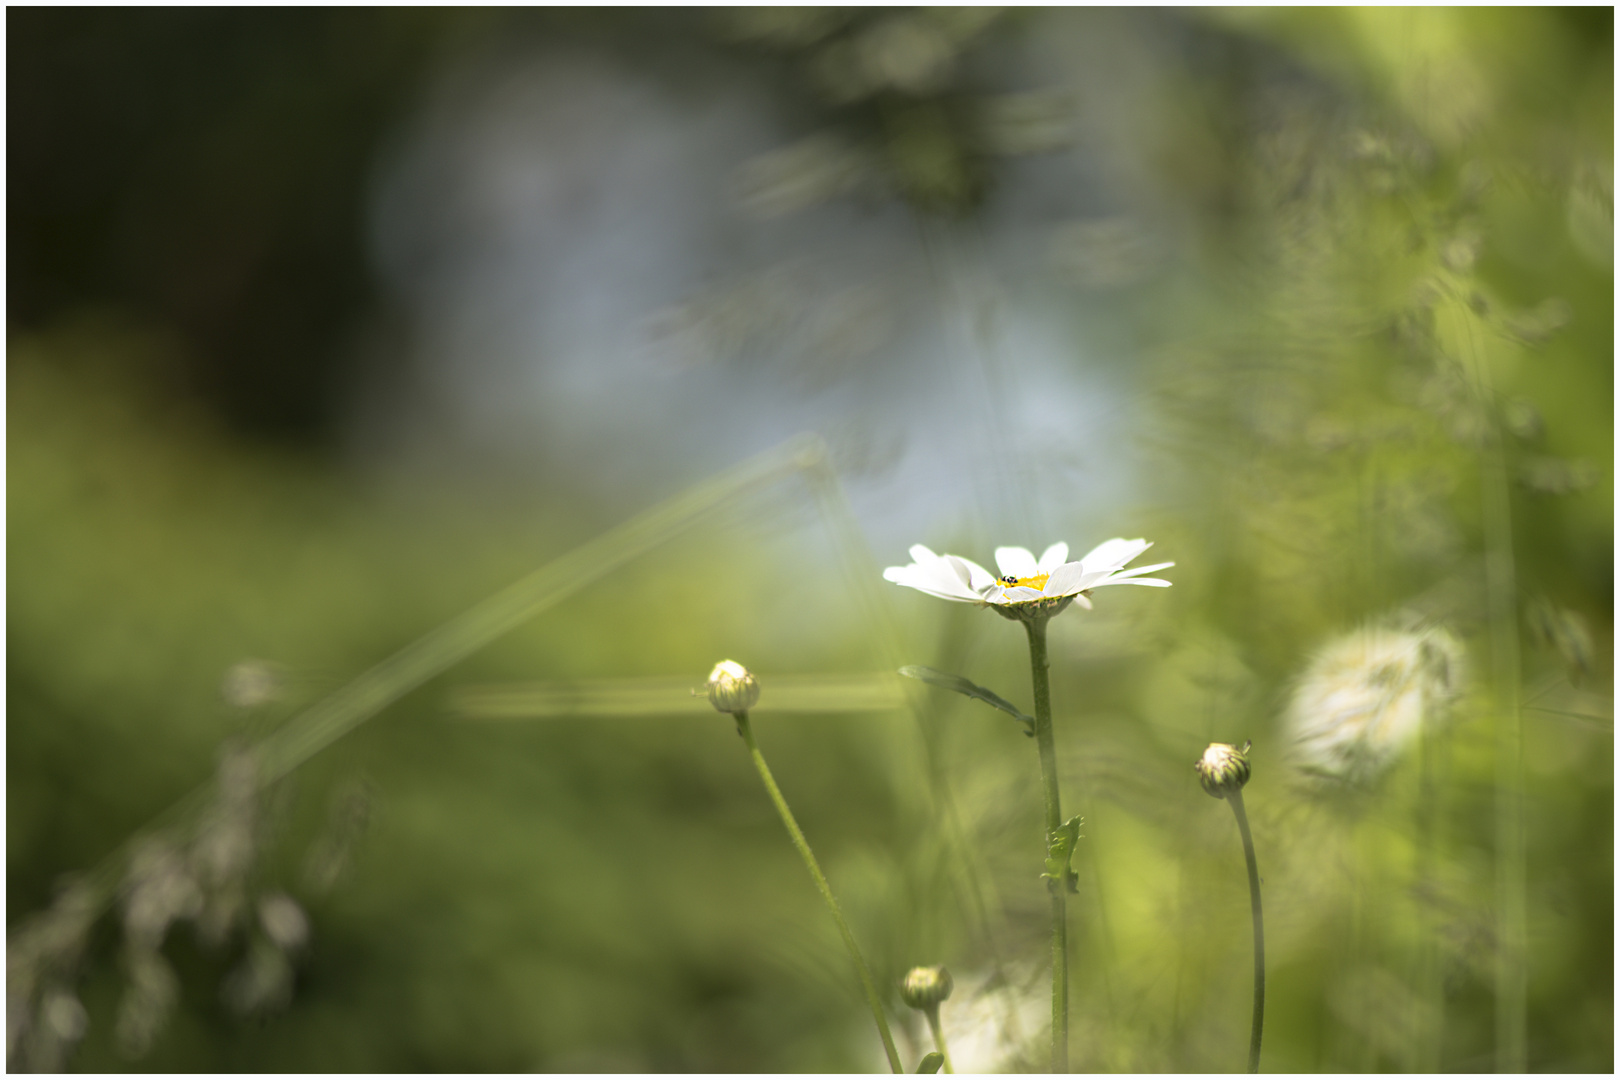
926, 987
732, 689
1224, 769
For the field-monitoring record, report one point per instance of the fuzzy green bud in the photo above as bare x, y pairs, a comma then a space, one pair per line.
732, 688
926, 987
1224, 769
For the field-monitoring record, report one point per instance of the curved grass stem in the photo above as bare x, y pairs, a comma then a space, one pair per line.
747, 732
1236, 799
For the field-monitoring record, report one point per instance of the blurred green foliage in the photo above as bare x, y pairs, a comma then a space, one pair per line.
1396, 293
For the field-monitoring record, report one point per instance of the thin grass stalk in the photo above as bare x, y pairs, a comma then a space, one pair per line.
746, 730
1258, 1021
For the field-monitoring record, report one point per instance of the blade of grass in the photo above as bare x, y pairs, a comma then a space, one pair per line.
861, 692
317, 727
946, 681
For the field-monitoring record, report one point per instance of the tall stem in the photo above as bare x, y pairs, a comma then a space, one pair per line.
1236, 799
747, 732
1047, 747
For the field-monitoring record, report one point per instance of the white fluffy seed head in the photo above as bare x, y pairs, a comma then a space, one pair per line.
1366, 696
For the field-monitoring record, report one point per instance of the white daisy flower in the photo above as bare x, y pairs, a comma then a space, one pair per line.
1024, 578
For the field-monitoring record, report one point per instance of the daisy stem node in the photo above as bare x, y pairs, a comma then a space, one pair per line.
747, 732
1035, 627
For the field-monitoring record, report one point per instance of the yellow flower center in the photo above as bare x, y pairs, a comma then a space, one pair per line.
1036, 582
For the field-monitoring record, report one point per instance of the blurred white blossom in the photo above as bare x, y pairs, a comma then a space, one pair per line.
1365, 696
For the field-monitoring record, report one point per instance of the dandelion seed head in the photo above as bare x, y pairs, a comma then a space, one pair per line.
1365, 697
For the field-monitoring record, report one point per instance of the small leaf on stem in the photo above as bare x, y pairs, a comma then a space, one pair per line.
1060, 845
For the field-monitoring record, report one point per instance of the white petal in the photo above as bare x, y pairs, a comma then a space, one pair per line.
980, 579
908, 576
1016, 593
948, 596
1159, 583
959, 567
936, 579
1068, 578
945, 588
1083, 601
1138, 570
921, 554
1054, 557
1016, 562
947, 579
1115, 553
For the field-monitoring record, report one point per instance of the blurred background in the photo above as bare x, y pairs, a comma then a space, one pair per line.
324, 326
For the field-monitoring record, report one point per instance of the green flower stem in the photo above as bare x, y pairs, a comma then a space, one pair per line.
747, 732
1236, 799
1036, 629
932, 1012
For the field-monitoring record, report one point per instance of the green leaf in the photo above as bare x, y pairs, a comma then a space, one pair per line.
1060, 845
931, 1062
947, 681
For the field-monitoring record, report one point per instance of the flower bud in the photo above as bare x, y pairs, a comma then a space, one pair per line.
926, 987
732, 688
1224, 769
